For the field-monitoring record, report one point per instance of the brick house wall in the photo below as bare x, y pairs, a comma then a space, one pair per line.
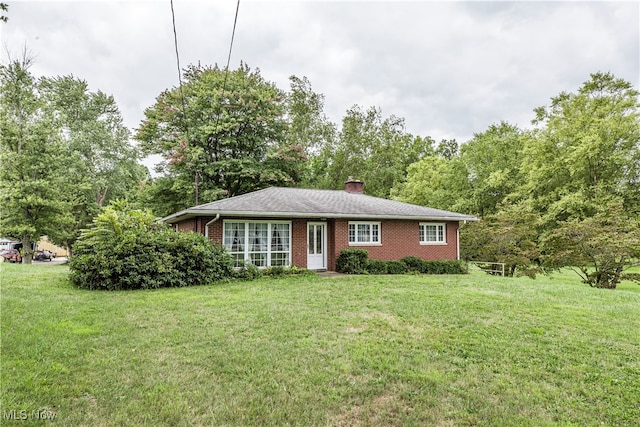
399, 238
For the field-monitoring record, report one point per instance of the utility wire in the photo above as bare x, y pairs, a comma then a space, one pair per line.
175, 43
226, 70
224, 84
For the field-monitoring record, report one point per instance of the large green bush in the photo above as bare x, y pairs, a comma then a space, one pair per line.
352, 261
126, 249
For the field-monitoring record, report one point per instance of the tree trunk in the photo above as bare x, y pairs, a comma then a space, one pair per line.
27, 251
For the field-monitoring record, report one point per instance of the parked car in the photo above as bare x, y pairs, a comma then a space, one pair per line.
11, 255
44, 255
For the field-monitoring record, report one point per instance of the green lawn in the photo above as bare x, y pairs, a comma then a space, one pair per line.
362, 350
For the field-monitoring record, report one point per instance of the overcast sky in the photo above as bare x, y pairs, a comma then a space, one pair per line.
450, 69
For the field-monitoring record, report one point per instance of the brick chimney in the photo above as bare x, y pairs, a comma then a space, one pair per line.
354, 186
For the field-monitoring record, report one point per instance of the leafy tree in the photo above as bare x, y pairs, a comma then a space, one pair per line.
226, 129
373, 149
492, 161
32, 155
509, 236
4, 7
586, 146
100, 162
436, 182
65, 152
448, 148
308, 126
598, 248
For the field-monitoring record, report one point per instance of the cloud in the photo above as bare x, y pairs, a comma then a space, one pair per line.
450, 69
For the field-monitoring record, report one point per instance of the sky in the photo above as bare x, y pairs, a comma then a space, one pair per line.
450, 69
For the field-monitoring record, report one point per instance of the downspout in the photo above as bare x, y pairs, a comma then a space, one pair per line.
458, 242
206, 226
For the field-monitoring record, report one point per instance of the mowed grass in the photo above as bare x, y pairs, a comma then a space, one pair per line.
360, 350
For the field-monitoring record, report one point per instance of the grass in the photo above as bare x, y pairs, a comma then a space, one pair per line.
362, 350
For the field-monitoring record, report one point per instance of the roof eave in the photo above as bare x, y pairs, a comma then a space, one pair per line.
192, 213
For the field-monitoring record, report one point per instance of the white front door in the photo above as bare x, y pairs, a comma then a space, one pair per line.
316, 245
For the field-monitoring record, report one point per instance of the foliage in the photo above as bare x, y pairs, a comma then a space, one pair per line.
632, 277
598, 248
247, 272
4, 7
32, 158
65, 152
418, 265
352, 261
585, 147
375, 266
436, 182
126, 249
412, 264
492, 162
509, 237
396, 267
308, 128
223, 129
371, 148
100, 162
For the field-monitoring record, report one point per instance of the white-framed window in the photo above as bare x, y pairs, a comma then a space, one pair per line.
433, 234
364, 233
261, 243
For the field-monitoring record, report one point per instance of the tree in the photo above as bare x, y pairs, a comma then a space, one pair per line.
223, 130
65, 152
509, 236
436, 182
32, 155
448, 148
492, 161
4, 7
585, 146
598, 248
373, 149
100, 163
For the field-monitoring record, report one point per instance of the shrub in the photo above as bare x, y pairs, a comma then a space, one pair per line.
352, 261
414, 263
444, 267
247, 272
396, 267
126, 249
375, 266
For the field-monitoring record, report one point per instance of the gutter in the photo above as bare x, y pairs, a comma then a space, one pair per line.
190, 213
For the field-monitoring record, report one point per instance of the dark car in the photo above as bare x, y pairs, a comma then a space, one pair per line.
44, 255
11, 255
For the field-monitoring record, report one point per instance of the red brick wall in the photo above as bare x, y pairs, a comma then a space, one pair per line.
399, 238
299, 242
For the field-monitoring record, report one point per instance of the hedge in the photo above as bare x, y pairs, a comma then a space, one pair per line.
355, 261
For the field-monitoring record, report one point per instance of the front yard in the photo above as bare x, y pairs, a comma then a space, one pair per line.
361, 350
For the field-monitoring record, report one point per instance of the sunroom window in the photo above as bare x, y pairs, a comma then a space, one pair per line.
262, 244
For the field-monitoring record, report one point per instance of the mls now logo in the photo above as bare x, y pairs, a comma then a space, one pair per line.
21, 415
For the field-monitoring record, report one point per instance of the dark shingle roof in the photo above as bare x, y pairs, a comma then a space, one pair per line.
307, 203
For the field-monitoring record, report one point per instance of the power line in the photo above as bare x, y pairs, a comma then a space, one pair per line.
224, 84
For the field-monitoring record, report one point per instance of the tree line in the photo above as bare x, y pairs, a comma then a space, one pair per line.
222, 133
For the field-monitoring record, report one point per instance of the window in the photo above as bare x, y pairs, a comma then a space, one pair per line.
262, 244
364, 233
431, 234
